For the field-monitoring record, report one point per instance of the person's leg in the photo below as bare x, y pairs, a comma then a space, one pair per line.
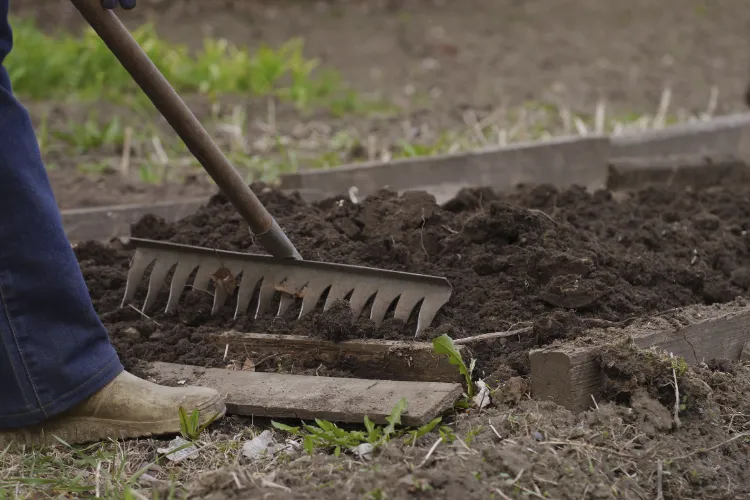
54, 351
59, 374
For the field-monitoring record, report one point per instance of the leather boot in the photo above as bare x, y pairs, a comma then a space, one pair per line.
126, 408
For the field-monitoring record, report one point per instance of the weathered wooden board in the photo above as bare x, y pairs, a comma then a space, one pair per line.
689, 171
570, 375
295, 396
560, 161
728, 134
388, 359
104, 223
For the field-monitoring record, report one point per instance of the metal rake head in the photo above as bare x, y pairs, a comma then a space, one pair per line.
292, 279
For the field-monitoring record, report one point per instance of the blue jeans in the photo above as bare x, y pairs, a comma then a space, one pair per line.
54, 350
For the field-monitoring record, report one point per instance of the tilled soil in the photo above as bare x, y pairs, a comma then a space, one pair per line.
557, 260
560, 260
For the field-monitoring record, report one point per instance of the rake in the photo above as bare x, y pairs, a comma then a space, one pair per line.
284, 272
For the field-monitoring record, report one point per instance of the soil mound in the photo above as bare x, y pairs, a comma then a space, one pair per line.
549, 258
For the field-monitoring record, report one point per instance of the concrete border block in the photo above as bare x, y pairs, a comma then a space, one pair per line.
729, 134
561, 161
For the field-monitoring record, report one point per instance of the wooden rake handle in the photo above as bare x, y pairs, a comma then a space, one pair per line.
148, 77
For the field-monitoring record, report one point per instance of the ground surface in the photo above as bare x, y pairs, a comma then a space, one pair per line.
561, 261
448, 64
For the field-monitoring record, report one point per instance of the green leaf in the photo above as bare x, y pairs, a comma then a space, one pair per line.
444, 345
184, 430
373, 431
394, 418
427, 428
308, 445
284, 427
325, 425
208, 422
337, 451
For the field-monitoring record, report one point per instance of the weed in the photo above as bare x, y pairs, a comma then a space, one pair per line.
92, 135
444, 345
679, 365
190, 426
63, 65
328, 435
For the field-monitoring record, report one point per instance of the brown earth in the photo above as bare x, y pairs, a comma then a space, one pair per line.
558, 260
442, 59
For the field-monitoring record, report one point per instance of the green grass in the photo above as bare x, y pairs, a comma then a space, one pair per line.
64, 66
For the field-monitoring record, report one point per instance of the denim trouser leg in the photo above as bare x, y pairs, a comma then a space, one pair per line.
54, 351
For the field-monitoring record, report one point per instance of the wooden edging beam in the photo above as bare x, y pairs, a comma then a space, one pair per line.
570, 375
104, 223
561, 161
694, 171
389, 359
586, 161
277, 395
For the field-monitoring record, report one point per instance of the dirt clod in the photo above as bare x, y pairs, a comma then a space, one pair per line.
336, 324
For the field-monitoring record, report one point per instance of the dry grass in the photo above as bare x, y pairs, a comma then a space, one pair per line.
521, 448
279, 140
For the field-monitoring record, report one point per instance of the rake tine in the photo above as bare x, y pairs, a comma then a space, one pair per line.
250, 279
179, 280
137, 268
310, 296
406, 303
156, 282
339, 290
383, 300
360, 297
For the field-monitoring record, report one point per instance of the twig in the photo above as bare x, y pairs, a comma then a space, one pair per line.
144, 314
599, 118
706, 450
96, 478
536, 211
421, 234
494, 335
659, 480
430, 452
661, 114
589, 446
495, 430
503, 495
596, 405
676, 417
125, 160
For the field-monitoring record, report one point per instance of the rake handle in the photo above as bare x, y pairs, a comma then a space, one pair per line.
148, 77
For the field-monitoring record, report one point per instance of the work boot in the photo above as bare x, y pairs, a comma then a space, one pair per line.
126, 408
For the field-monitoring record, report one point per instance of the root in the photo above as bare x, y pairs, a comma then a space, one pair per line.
421, 234
676, 417
659, 480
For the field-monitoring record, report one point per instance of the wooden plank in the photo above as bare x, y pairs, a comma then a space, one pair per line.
104, 223
692, 171
724, 134
570, 375
560, 161
278, 395
389, 359
107, 222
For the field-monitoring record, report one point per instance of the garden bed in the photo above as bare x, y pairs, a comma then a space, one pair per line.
561, 261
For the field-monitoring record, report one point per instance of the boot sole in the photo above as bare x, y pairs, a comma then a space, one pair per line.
82, 430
